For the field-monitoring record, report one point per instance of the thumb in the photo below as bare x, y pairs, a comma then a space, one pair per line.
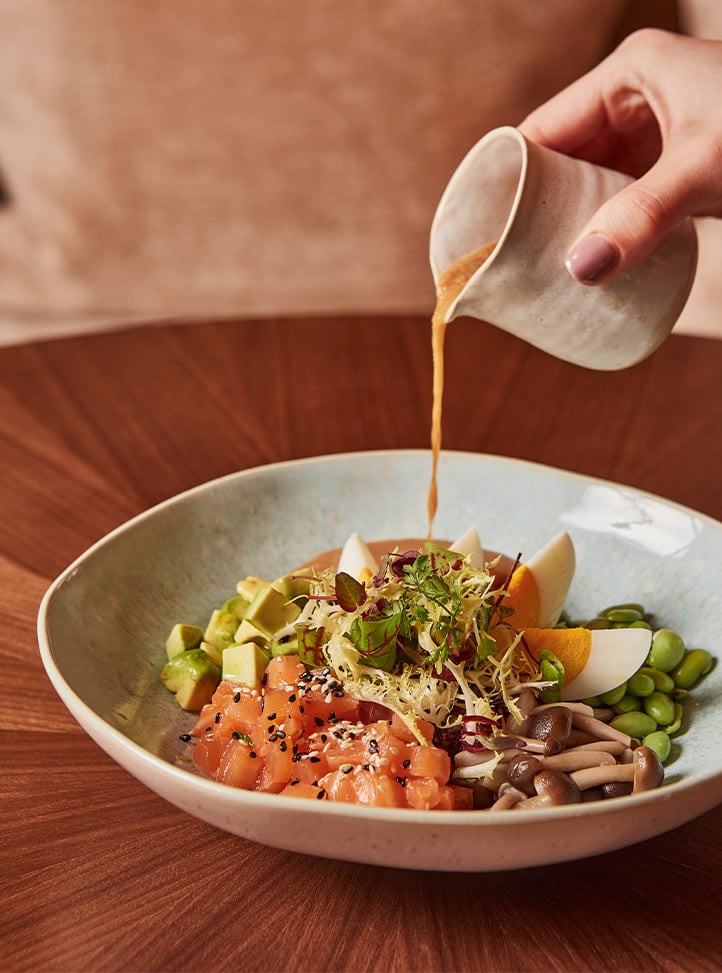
630, 225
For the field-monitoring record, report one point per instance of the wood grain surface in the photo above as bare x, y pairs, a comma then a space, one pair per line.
100, 874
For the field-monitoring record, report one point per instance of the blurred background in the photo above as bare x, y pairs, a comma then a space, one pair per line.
256, 158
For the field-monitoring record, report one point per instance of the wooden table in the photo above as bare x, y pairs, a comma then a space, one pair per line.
97, 872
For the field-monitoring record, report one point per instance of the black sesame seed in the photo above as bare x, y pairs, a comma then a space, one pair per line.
296, 757
252, 753
292, 698
323, 737
339, 692
346, 768
273, 737
237, 698
281, 734
236, 735
283, 746
318, 721
321, 794
272, 716
185, 737
217, 718
296, 780
406, 764
264, 678
315, 760
302, 709
366, 766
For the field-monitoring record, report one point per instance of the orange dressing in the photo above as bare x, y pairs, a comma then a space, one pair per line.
449, 286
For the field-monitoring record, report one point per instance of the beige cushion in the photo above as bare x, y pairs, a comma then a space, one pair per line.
178, 158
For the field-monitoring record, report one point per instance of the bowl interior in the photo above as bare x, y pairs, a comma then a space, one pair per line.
103, 623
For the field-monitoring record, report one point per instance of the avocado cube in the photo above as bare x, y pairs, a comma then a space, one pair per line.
247, 632
193, 677
215, 652
249, 587
181, 638
294, 587
270, 611
245, 664
288, 645
221, 628
237, 605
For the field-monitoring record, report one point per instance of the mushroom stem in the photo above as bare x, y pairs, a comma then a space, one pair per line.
602, 731
614, 747
645, 771
572, 760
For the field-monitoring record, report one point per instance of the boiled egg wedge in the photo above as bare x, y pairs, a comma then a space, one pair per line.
357, 560
595, 661
539, 587
469, 546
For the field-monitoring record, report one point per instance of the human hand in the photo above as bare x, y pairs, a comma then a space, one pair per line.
652, 109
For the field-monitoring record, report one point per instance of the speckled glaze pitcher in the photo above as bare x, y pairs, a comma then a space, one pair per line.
534, 202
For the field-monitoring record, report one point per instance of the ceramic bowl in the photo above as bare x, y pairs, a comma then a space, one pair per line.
534, 202
103, 623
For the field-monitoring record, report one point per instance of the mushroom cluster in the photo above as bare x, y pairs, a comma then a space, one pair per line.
563, 753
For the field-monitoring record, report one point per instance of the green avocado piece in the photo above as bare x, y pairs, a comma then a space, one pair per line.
270, 611
193, 677
294, 588
249, 587
221, 628
181, 638
247, 632
245, 664
215, 652
237, 605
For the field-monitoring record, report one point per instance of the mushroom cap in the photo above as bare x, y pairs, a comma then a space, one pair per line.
648, 770
522, 771
554, 788
552, 725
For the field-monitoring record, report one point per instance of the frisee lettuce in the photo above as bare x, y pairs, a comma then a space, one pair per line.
426, 637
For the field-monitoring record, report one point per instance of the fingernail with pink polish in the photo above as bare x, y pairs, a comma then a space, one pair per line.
591, 259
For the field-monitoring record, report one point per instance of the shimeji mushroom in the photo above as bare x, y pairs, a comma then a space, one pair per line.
553, 788
645, 772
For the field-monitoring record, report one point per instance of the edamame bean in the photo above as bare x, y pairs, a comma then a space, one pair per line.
597, 623
641, 624
627, 606
659, 742
676, 725
637, 725
695, 664
594, 701
662, 680
624, 615
667, 650
640, 684
613, 696
660, 707
628, 704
